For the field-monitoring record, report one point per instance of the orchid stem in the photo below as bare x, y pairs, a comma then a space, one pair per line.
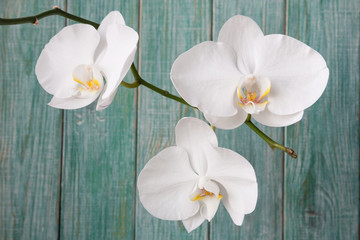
139, 81
35, 19
268, 140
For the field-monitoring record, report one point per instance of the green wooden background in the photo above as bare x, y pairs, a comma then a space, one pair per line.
72, 174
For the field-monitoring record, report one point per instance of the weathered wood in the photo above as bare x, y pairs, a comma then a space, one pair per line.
168, 28
103, 152
266, 221
99, 153
30, 131
322, 186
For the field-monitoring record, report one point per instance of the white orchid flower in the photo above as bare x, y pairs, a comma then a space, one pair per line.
187, 182
272, 77
73, 65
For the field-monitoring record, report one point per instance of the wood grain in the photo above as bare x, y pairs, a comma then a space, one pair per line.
266, 220
313, 197
168, 28
30, 131
322, 186
99, 154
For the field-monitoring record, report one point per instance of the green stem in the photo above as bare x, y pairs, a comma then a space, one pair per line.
268, 140
55, 11
139, 81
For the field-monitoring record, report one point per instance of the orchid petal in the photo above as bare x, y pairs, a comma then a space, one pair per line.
270, 119
298, 73
243, 34
103, 103
193, 222
236, 175
208, 195
72, 46
71, 102
116, 59
237, 217
252, 108
196, 137
227, 122
111, 18
211, 186
209, 207
206, 77
165, 185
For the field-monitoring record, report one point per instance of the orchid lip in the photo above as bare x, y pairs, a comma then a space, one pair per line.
252, 93
89, 81
207, 194
204, 193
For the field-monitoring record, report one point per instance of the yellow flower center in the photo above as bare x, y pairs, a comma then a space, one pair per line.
90, 85
89, 81
252, 92
203, 194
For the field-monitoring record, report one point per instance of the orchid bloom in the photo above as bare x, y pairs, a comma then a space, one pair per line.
73, 65
272, 77
187, 181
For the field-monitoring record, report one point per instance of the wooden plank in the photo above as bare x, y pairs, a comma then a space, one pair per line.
168, 29
99, 153
266, 221
322, 186
30, 131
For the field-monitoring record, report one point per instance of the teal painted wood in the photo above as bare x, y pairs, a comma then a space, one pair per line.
30, 136
168, 28
322, 186
99, 153
99, 171
266, 221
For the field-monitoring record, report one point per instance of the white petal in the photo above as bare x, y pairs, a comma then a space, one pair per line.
227, 122
105, 102
210, 186
196, 137
270, 119
166, 183
193, 222
253, 108
209, 207
298, 73
237, 217
237, 176
243, 34
206, 76
71, 102
113, 17
117, 56
72, 46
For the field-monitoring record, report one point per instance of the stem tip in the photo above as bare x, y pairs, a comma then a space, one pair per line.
291, 152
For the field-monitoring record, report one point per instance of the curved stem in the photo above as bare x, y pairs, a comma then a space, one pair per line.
268, 140
134, 84
55, 11
139, 80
